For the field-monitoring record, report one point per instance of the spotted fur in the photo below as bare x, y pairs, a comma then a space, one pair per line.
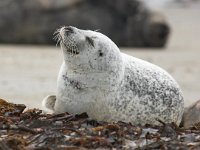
112, 86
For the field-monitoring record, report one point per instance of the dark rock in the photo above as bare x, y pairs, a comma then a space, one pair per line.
126, 22
192, 115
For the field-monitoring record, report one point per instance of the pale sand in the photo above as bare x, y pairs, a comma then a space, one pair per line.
28, 73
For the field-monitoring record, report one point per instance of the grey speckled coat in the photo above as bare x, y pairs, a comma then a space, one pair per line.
97, 78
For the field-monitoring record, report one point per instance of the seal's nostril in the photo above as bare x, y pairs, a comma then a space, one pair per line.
69, 29
66, 31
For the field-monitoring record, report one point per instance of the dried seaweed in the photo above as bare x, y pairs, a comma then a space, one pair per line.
31, 129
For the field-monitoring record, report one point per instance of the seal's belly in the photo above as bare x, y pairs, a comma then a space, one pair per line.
77, 99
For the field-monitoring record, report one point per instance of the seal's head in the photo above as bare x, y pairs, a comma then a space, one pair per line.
86, 50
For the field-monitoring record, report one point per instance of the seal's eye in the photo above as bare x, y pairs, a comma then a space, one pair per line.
90, 41
100, 53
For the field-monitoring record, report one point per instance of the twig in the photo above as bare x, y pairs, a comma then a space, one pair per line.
33, 131
67, 118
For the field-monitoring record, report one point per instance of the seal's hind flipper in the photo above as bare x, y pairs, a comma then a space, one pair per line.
49, 102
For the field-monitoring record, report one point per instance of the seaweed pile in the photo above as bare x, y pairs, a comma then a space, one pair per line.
31, 129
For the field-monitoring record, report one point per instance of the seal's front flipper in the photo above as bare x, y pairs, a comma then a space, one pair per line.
48, 102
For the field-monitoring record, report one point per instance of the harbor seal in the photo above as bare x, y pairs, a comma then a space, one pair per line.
97, 78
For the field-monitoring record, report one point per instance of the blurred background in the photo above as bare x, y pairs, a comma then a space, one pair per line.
164, 32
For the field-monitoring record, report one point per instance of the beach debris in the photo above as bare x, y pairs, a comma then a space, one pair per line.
31, 129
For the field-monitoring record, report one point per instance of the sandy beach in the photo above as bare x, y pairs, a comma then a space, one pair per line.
28, 73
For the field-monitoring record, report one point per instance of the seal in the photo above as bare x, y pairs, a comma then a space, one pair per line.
97, 78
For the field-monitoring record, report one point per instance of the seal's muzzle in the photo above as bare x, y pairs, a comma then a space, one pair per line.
63, 37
